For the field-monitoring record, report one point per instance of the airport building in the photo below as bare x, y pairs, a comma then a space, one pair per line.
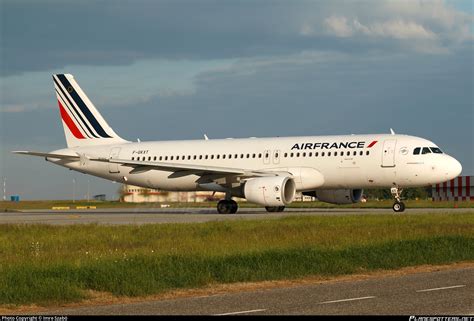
136, 194
458, 189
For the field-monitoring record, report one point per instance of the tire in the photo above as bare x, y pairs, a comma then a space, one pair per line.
233, 207
398, 207
224, 207
273, 209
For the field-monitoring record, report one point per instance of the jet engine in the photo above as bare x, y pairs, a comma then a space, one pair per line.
270, 191
337, 196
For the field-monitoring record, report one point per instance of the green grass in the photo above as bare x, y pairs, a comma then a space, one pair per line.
56, 264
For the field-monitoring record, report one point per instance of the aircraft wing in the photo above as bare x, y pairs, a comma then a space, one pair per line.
142, 166
60, 156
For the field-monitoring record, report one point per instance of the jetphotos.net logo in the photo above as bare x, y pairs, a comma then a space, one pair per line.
335, 145
441, 318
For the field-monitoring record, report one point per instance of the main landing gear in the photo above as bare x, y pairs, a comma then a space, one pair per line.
398, 206
227, 207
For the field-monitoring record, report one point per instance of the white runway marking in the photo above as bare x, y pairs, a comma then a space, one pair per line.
443, 288
345, 300
242, 312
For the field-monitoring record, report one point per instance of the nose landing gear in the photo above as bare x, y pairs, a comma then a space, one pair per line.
398, 206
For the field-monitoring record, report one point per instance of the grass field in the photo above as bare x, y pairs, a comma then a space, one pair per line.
29, 205
56, 264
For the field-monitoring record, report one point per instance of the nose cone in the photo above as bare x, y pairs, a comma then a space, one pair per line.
452, 168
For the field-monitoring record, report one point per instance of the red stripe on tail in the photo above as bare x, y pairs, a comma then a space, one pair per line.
70, 123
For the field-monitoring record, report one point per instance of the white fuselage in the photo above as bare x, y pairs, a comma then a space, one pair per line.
345, 161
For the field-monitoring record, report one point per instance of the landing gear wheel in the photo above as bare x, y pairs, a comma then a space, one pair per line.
275, 208
233, 207
227, 207
398, 207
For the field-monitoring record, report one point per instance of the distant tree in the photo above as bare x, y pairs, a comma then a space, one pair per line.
408, 193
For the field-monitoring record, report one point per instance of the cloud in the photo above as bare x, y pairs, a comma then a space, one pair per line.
63, 33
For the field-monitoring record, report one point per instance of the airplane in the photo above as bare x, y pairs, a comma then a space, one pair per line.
265, 171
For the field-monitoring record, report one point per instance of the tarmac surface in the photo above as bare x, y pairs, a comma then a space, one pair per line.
185, 215
445, 292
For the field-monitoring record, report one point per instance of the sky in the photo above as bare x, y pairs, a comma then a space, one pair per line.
162, 70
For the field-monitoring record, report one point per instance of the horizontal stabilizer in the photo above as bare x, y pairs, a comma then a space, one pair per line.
60, 156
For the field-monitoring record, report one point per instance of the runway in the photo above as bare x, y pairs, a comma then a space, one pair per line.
185, 215
446, 292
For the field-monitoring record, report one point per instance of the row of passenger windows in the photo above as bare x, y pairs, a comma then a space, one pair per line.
260, 155
426, 150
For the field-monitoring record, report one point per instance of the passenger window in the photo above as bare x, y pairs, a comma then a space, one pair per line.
291, 155
276, 155
133, 158
348, 153
355, 153
335, 153
154, 158
322, 154
212, 156
297, 154
361, 153
171, 158
260, 155
329, 153
223, 156
416, 151
286, 155
425, 150
217, 156
206, 157
241, 155
316, 154
310, 154
253, 155
248, 155
200, 156
161, 158
166, 158
367, 153
304, 154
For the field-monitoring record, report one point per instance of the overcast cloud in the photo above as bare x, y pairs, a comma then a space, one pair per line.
178, 69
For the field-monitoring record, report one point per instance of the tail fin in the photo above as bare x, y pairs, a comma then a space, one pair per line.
83, 124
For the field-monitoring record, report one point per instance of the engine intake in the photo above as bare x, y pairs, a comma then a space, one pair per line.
270, 191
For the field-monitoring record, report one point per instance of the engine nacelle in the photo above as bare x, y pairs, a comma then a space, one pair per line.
270, 191
339, 196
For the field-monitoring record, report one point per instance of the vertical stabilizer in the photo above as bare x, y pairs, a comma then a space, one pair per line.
83, 124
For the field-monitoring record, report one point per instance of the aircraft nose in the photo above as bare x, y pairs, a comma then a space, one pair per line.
453, 168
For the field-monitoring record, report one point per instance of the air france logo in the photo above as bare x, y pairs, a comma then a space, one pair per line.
335, 145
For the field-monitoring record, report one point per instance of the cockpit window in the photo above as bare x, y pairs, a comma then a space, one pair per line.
416, 151
425, 150
436, 150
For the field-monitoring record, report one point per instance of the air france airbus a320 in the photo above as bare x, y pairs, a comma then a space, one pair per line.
265, 171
